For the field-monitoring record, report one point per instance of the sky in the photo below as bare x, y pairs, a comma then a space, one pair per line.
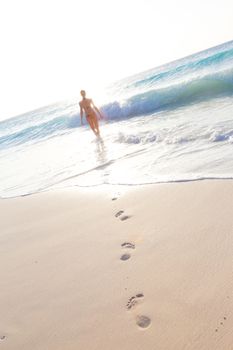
50, 50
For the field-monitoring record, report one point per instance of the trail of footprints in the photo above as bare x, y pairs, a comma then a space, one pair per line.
142, 321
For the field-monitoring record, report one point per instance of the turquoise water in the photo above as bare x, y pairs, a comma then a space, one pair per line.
172, 123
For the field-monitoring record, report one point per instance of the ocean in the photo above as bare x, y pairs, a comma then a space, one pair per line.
172, 123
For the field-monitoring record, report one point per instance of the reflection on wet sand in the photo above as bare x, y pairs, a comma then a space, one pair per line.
101, 151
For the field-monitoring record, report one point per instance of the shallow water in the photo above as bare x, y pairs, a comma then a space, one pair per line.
172, 123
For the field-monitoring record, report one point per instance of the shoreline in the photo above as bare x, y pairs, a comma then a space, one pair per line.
104, 187
118, 267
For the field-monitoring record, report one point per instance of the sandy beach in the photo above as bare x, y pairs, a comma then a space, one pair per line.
147, 267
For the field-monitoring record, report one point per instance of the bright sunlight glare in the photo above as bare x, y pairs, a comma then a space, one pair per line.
51, 49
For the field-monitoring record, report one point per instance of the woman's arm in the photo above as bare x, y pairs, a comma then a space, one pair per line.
81, 113
94, 106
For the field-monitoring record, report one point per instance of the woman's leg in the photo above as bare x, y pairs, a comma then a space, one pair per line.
91, 122
96, 124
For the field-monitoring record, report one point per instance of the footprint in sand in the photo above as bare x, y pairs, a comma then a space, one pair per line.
125, 256
122, 217
134, 300
119, 213
143, 321
128, 245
